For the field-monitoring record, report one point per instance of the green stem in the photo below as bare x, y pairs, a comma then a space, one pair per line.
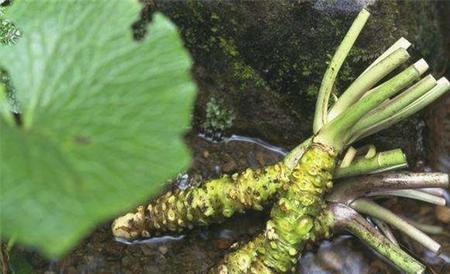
441, 87
371, 151
351, 189
386, 230
334, 67
292, 158
412, 194
367, 80
394, 106
372, 209
400, 43
336, 133
348, 157
386, 160
347, 219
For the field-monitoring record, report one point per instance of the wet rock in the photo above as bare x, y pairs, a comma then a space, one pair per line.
265, 59
147, 250
438, 141
443, 214
163, 249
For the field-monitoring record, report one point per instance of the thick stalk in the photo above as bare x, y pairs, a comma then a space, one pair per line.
292, 157
334, 67
348, 219
367, 80
350, 154
354, 188
336, 133
412, 194
400, 43
435, 191
370, 208
395, 105
441, 87
386, 230
387, 160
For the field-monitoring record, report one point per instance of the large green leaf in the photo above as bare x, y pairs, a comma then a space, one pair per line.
102, 117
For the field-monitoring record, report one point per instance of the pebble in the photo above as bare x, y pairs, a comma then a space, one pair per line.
146, 250
229, 166
163, 249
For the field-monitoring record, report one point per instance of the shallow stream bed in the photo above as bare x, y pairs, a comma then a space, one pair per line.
201, 248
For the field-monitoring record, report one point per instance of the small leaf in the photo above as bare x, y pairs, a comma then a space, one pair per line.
102, 118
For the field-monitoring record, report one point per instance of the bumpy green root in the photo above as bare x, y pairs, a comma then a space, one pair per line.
296, 218
210, 203
220, 198
243, 259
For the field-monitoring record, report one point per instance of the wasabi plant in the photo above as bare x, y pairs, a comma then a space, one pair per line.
299, 189
218, 119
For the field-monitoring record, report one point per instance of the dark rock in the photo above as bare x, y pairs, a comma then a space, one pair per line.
265, 59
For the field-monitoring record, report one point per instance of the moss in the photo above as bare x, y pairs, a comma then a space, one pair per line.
218, 119
204, 29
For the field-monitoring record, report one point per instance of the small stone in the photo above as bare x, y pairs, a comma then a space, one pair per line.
443, 214
146, 250
229, 166
163, 249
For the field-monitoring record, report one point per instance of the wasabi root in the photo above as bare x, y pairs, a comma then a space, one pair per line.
218, 199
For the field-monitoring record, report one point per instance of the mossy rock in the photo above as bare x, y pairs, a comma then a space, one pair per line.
265, 59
